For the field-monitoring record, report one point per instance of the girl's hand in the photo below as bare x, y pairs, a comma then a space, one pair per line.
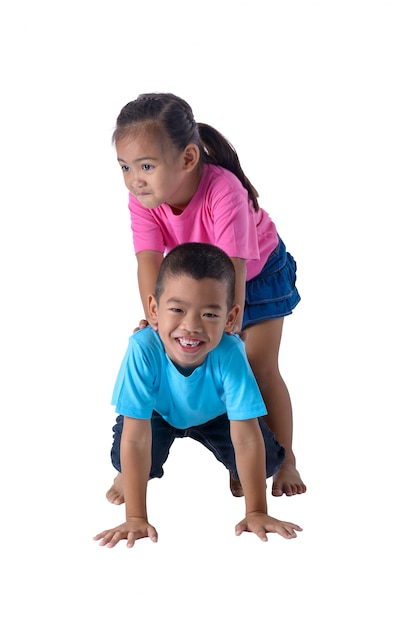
131, 530
142, 324
261, 524
242, 334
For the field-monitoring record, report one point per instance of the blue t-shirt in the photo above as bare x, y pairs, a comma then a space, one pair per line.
224, 383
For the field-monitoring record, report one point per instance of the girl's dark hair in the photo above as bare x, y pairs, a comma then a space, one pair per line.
199, 261
173, 117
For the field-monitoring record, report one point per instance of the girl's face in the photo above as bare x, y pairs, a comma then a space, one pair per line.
156, 173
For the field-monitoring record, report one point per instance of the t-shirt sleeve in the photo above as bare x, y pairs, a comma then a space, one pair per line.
234, 219
243, 398
133, 391
146, 232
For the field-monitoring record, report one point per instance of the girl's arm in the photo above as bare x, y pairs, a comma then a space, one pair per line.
135, 450
250, 457
149, 262
240, 284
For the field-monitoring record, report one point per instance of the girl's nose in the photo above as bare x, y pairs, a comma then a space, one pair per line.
136, 180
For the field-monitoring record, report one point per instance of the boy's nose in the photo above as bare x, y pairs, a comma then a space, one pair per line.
191, 323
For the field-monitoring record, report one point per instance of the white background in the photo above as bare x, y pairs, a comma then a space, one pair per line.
320, 100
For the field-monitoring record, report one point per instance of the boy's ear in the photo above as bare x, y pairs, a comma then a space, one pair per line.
232, 317
191, 155
153, 310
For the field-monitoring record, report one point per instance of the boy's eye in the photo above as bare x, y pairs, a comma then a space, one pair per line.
210, 315
175, 310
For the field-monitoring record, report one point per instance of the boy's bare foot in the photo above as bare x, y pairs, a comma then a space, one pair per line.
115, 493
287, 481
235, 487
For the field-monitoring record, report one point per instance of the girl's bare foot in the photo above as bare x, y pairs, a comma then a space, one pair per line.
235, 487
287, 481
115, 493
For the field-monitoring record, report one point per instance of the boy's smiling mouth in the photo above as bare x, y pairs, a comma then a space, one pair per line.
189, 343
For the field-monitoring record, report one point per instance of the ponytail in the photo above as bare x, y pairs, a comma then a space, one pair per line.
218, 150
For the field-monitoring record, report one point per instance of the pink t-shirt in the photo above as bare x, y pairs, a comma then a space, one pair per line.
220, 213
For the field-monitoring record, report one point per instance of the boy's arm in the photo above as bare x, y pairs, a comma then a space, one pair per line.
250, 458
135, 449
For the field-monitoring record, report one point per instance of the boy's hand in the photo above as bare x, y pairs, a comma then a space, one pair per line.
131, 531
261, 524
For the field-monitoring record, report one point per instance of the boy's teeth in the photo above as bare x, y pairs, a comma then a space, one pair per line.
188, 343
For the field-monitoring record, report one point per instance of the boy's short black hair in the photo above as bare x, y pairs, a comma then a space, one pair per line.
199, 261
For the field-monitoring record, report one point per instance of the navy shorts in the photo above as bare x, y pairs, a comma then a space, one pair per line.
273, 292
214, 435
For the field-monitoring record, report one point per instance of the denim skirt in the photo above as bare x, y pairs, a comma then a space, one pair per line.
273, 292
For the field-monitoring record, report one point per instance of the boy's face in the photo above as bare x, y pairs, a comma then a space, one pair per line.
191, 318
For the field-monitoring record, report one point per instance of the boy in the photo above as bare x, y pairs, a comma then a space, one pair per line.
190, 378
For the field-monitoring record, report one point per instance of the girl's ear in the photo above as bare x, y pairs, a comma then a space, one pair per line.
232, 318
153, 311
191, 156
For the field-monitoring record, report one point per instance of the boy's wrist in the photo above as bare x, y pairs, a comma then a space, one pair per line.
135, 518
255, 512
255, 506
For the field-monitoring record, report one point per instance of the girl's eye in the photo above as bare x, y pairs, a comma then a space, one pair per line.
125, 168
147, 167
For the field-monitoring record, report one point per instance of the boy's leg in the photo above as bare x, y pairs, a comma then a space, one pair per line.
215, 436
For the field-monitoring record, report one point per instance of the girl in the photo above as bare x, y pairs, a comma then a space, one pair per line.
185, 184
